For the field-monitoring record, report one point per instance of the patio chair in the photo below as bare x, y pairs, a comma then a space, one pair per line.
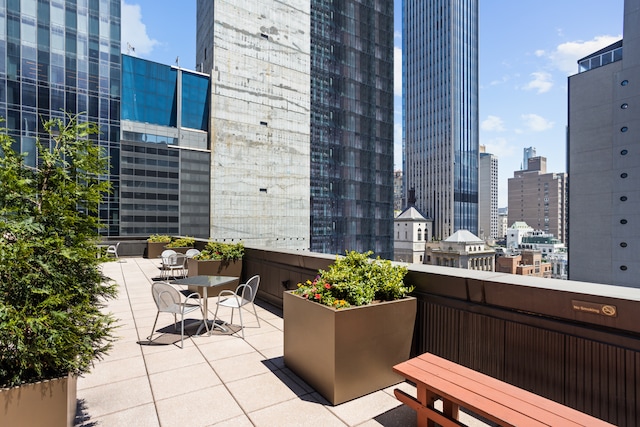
243, 295
191, 253
164, 259
169, 300
174, 263
113, 250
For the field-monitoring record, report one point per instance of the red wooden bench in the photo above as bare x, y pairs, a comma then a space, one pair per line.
495, 400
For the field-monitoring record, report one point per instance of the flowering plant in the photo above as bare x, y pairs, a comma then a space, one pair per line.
356, 279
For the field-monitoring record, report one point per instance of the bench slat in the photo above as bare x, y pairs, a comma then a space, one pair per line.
494, 399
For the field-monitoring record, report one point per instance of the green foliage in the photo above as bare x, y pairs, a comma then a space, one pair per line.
356, 279
182, 242
51, 289
159, 238
220, 251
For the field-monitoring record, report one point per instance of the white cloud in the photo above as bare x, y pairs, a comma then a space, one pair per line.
536, 123
492, 124
539, 53
499, 147
397, 71
541, 82
565, 57
134, 31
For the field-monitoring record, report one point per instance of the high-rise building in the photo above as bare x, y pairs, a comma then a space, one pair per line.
539, 198
603, 162
302, 122
62, 56
440, 111
352, 126
164, 145
258, 54
488, 195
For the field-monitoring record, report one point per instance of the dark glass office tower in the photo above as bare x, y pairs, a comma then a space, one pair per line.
352, 126
440, 111
58, 56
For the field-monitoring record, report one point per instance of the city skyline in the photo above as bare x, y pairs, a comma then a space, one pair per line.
523, 75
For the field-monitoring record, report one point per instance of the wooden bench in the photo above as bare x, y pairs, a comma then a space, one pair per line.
495, 400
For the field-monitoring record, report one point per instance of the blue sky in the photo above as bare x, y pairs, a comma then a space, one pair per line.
527, 51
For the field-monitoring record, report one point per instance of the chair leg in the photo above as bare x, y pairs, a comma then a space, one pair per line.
256, 313
182, 331
150, 337
241, 324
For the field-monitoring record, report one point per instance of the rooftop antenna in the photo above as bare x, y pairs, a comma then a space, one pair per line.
178, 61
130, 49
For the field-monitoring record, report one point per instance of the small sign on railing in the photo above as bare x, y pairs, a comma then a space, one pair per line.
595, 308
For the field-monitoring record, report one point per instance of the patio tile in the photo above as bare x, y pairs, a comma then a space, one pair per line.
359, 410
241, 421
142, 416
111, 371
223, 347
183, 380
261, 391
173, 359
116, 396
199, 408
265, 341
239, 367
295, 413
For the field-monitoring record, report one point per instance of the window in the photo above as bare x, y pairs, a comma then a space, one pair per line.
624, 82
624, 152
624, 129
419, 234
624, 106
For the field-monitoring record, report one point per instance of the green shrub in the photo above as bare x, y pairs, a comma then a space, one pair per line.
51, 289
159, 238
182, 242
220, 251
356, 279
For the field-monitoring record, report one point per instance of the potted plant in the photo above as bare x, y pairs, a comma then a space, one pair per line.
181, 244
52, 292
156, 244
218, 259
347, 328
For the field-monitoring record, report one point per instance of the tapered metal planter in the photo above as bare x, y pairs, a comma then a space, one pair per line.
348, 353
50, 403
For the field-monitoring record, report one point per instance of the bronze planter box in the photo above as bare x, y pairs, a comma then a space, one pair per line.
215, 268
347, 353
50, 403
154, 249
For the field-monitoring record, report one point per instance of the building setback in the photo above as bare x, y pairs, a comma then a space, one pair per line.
440, 111
603, 161
539, 198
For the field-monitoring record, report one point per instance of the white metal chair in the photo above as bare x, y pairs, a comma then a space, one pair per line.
168, 300
164, 259
175, 263
113, 249
244, 294
191, 253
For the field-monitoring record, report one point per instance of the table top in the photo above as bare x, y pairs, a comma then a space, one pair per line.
206, 281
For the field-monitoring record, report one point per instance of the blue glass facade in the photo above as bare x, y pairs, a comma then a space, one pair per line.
149, 92
440, 111
58, 56
195, 105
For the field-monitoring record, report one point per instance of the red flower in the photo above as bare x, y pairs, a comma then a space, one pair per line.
327, 286
318, 296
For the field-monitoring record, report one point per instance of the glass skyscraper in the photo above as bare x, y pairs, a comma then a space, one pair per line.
352, 126
58, 56
440, 111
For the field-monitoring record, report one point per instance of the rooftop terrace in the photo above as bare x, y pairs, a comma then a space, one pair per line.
218, 380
